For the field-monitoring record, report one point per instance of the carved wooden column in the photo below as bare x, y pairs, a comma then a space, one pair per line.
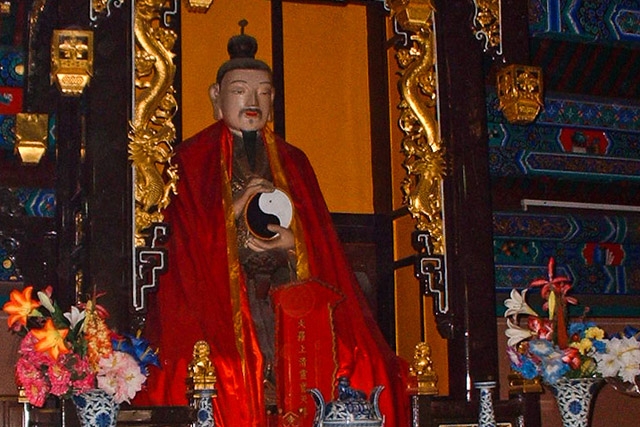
447, 185
467, 246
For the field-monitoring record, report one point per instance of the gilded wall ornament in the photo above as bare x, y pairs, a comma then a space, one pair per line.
102, 8
488, 25
422, 147
152, 130
31, 136
520, 93
71, 60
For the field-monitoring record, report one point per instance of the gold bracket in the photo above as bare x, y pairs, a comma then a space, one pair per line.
520, 93
199, 6
518, 384
487, 22
102, 9
31, 136
71, 60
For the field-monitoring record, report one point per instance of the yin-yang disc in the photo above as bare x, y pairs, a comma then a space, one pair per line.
268, 208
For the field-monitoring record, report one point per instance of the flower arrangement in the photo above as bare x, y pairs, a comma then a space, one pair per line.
553, 347
68, 353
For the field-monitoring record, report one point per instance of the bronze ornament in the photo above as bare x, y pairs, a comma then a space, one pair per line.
152, 130
422, 147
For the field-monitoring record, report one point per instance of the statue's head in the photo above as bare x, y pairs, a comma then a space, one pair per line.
243, 93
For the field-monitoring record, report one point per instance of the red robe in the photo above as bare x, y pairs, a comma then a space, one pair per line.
324, 328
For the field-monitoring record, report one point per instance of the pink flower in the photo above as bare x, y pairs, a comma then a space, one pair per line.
34, 383
84, 378
28, 343
27, 372
60, 378
514, 356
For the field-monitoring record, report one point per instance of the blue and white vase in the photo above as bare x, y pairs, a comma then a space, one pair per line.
486, 416
96, 408
574, 397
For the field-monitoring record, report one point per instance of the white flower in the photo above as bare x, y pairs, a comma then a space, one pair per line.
74, 316
516, 334
46, 302
607, 364
119, 374
516, 304
622, 359
629, 372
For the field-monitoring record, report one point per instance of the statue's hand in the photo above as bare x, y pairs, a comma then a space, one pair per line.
255, 186
283, 240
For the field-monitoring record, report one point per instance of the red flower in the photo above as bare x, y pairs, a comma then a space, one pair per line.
572, 357
554, 290
543, 328
558, 285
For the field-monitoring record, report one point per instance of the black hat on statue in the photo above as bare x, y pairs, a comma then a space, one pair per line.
242, 50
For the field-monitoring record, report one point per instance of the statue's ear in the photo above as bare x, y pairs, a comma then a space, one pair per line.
214, 96
273, 97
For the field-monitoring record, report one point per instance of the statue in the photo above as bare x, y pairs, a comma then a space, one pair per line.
423, 378
283, 313
201, 372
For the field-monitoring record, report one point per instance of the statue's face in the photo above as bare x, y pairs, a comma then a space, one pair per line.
243, 99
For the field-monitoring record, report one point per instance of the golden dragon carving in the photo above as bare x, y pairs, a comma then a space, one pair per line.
152, 130
422, 147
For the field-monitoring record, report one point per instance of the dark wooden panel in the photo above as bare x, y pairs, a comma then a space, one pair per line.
467, 207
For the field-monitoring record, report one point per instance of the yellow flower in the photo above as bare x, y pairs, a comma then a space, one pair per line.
51, 339
97, 334
20, 306
584, 345
588, 367
594, 333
